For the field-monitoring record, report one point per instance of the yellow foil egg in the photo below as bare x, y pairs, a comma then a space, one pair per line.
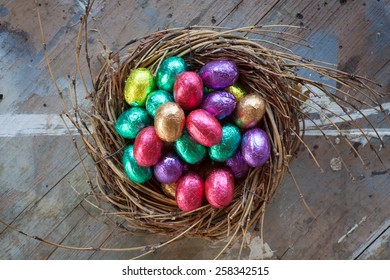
249, 111
169, 190
237, 91
139, 85
169, 121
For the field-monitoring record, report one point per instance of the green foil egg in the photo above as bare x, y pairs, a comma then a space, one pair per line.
169, 69
237, 91
231, 139
189, 150
135, 172
131, 121
139, 85
156, 99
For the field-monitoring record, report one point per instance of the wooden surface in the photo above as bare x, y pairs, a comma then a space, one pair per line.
39, 168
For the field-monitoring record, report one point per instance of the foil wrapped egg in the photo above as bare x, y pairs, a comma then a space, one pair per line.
136, 173
169, 121
249, 111
231, 138
219, 188
220, 104
237, 90
131, 121
156, 99
169, 169
188, 90
219, 74
255, 147
204, 128
237, 165
168, 71
189, 150
147, 147
169, 190
190, 192
139, 85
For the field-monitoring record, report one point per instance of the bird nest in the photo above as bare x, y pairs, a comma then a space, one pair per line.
270, 72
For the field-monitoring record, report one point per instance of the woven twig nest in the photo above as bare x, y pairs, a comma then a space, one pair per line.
267, 71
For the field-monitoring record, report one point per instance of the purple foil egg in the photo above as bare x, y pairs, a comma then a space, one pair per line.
237, 165
220, 104
255, 147
169, 169
219, 74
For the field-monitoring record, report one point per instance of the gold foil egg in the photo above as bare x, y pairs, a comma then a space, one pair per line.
249, 111
169, 121
169, 189
237, 90
138, 86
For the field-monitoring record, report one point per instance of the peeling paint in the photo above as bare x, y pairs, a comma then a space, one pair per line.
342, 238
258, 249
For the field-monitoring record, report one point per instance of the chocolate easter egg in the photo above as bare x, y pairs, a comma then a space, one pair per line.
138, 86
169, 190
255, 147
190, 192
156, 99
220, 104
231, 138
147, 147
219, 74
249, 111
169, 121
131, 121
219, 188
204, 128
190, 150
188, 90
237, 90
168, 71
169, 169
136, 173
237, 165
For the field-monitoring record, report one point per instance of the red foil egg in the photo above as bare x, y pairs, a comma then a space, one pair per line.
188, 90
204, 128
219, 187
147, 147
190, 192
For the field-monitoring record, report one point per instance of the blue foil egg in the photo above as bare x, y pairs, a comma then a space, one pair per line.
156, 99
136, 173
168, 71
131, 121
231, 139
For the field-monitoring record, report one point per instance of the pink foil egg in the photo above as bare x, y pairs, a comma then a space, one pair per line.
204, 128
188, 90
147, 147
219, 74
189, 192
219, 188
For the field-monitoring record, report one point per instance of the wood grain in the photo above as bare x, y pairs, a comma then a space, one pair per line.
36, 173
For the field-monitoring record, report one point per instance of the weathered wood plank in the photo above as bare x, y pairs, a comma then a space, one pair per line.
25, 177
46, 212
377, 246
354, 35
61, 50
